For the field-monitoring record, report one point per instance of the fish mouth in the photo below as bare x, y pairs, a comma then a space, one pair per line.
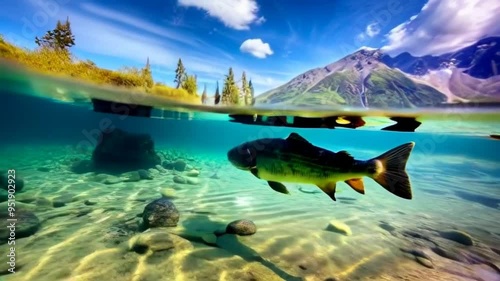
241, 167
241, 158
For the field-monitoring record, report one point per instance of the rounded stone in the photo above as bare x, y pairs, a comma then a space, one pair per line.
241, 227
26, 224
179, 179
179, 165
193, 173
160, 213
457, 236
17, 181
339, 227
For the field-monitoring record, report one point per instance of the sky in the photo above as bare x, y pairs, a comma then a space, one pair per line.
272, 41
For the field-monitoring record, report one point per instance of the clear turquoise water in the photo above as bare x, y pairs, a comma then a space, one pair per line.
454, 171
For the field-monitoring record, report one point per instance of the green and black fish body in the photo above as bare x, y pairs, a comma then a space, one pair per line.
295, 159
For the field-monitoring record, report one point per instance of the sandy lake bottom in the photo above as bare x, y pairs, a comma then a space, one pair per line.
87, 226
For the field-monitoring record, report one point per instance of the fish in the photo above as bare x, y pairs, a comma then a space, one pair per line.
296, 160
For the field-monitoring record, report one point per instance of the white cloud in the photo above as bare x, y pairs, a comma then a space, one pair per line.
128, 39
260, 20
126, 19
237, 14
256, 47
445, 26
361, 37
132, 39
118, 42
372, 29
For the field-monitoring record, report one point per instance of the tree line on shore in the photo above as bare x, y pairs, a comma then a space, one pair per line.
54, 56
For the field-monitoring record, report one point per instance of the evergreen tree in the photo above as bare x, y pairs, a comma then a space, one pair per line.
252, 93
60, 39
245, 89
230, 92
204, 95
147, 75
180, 74
189, 84
217, 94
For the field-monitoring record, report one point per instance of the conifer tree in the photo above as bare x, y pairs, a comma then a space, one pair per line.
189, 84
180, 74
252, 93
230, 92
217, 94
245, 88
147, 75
204, 95
60, 39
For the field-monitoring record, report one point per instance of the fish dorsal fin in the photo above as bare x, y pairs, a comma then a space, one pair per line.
298, 138
344, 158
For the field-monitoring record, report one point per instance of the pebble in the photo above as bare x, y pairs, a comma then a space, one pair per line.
457, 236
178, 165
168, 193
425, 262
193, 173
160, 213
4, 181
241, 227
452, 254
89, 203
179, 179
158, 240
421, 257
26, 225
145, 175
112, 180
62, 200
43, 169
134, 176
339, 227
192, 181
160, 169
153, 172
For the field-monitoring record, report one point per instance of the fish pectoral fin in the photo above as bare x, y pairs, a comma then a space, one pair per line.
357, 184
329, 189
255, 172
278, 186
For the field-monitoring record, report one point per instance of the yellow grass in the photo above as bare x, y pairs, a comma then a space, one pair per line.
64, 64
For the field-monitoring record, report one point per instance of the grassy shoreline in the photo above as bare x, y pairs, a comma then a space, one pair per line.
63, 63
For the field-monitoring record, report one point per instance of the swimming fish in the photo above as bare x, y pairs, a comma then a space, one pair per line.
296, 160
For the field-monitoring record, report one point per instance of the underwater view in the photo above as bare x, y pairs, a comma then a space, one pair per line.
250, 140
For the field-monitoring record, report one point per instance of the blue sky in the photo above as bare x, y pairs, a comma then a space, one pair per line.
273, 41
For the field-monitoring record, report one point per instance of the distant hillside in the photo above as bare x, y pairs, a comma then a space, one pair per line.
370, 78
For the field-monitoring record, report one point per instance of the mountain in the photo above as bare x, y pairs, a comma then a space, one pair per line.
370, 78
479, 60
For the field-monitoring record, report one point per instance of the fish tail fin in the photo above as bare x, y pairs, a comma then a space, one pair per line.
390, 170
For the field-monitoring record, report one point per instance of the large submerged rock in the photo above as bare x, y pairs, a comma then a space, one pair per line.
160, 213
119, 151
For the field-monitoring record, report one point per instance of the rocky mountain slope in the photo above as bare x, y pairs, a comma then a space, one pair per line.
370, 78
